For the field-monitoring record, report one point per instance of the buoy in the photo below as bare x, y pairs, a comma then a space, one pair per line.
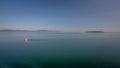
26, 39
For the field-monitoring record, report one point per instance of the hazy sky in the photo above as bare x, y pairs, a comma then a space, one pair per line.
64, 15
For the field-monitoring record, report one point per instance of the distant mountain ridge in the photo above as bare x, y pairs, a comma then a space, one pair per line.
3, 30
9, 30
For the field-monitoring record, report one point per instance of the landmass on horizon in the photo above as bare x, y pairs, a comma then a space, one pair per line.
10, 30
95, 31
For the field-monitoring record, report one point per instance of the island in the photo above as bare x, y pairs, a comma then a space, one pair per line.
95, 31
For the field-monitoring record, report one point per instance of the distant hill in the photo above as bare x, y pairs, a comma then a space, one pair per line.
95, 31
46, 31
8, 30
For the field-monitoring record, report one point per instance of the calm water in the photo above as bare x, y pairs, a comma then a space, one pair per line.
67, 50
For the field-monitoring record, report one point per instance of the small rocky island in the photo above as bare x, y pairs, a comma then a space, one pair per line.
95, 31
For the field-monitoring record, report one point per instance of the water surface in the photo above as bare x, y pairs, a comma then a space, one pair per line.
54, 50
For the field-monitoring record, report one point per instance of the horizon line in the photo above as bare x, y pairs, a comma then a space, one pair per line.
52, 30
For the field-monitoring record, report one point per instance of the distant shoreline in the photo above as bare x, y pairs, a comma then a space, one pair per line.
95, 32
27, 30
52, 31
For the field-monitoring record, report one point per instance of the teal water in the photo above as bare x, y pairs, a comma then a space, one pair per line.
65, 50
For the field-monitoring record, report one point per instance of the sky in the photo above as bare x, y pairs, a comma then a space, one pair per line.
62, 15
